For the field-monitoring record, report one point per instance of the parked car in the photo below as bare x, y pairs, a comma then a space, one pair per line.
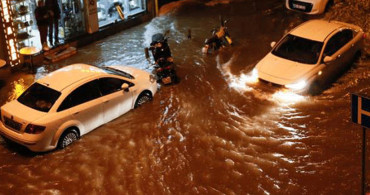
310, 55
308, 6
70, 102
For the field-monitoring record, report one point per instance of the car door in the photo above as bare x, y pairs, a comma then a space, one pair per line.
116, 101
339, 49
85, 105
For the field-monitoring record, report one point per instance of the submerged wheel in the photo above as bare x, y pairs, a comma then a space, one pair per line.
315, 88
143, 98
67, 138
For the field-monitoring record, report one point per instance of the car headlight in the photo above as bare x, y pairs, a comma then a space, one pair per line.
297, 86
252, 77
255, 73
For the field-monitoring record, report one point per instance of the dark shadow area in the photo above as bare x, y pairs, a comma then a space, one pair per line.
2, 83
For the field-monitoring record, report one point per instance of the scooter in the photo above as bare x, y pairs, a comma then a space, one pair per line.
165, 72
220, 38
164, 68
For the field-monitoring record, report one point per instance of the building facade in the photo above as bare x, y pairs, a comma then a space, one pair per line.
78, 18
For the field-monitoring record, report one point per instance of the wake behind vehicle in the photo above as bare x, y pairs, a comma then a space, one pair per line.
220, 38
164, 67
311, 55
72, 101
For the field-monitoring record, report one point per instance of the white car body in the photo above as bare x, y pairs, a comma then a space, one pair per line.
84, 116
307, 6
331, 57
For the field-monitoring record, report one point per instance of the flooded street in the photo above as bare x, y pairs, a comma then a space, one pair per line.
213, 133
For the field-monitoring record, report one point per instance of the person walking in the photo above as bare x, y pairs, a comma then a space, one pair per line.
54, 10
42, 19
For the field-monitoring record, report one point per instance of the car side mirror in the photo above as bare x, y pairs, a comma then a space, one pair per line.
272, 44
125, 87
328, 59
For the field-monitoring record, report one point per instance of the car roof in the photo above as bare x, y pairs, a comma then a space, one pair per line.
317, 30
68, 75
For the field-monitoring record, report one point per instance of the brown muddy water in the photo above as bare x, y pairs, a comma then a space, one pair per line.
212, 133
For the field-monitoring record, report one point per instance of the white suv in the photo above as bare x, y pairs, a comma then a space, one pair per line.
307, 6
70, 102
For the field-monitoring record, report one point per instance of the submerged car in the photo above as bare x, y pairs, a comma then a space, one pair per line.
310, 54
308, 6
70, 102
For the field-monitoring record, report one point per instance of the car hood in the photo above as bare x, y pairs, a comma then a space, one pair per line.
21, 113
282, 71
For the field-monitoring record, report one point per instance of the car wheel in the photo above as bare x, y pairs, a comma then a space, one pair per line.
143, 98
315, 88
67, 138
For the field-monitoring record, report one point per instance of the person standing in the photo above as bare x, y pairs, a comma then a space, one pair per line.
53, 7
42, 19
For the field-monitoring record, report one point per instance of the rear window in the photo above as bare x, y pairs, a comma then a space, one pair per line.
39, 97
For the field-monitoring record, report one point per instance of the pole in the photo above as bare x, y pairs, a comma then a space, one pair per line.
363, 160
156, 7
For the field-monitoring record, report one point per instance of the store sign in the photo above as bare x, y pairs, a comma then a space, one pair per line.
91, 11
361, 110
9, 32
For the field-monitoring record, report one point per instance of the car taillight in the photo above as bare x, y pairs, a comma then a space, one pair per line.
34, 129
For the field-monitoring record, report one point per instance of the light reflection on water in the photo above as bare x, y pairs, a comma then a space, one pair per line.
18, 87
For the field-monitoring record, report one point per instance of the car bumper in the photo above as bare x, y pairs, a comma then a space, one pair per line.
36, 143
310, 8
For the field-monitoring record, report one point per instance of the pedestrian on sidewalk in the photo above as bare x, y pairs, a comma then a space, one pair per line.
54, 10
42, 19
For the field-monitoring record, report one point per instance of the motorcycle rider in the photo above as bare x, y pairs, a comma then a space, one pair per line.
164, 67
219, 38
160, 50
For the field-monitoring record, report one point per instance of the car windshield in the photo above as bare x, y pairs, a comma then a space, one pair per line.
39, 97
298, 49
114, 71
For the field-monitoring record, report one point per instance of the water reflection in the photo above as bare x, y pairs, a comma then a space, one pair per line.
18, 87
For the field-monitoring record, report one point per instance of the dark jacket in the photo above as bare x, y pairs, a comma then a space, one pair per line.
53, 6
42, 16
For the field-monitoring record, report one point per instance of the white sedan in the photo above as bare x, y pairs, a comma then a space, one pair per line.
70, 102
310, 55
307, 6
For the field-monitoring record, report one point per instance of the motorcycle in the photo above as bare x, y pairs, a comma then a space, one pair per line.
165, 72
220, 38
164, 68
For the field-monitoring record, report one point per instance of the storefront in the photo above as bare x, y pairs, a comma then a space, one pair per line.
77, 17
111, 11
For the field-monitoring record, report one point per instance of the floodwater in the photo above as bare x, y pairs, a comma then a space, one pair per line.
213, 133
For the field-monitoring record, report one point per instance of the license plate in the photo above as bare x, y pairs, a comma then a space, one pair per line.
166, 80
12, 124
302, 7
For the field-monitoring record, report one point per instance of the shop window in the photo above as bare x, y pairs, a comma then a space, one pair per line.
72, 19
111, 11
25, 26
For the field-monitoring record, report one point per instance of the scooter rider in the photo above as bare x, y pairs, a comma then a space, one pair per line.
160, 49
219, 38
